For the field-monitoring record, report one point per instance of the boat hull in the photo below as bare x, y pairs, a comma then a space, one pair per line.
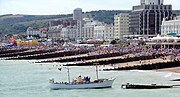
91, 85
153, 86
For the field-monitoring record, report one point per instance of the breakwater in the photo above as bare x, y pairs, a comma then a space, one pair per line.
82, 57
9, 50
112, 60
17, 53
158, 65
48, 54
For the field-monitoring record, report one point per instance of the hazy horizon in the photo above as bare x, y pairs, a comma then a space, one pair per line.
56, 7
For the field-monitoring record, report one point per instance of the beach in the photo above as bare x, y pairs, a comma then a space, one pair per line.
174, 70
141, 57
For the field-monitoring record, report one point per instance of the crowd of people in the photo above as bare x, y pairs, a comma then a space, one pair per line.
79, 79
137, 50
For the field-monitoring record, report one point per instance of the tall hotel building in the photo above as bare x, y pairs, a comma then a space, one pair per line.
121, 25
77, 15
146, 19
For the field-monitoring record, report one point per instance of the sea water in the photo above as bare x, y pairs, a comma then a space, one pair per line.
27, 79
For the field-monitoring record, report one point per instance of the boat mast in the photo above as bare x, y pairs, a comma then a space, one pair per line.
97, 75
68, 74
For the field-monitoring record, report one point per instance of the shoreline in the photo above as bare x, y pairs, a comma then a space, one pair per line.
173, 70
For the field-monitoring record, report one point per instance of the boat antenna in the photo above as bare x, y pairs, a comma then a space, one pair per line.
97, 75
68, 74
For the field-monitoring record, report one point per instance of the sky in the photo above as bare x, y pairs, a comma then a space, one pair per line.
54, 7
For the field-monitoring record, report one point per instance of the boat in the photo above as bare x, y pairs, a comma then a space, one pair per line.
96, 84
144, 86
175, 80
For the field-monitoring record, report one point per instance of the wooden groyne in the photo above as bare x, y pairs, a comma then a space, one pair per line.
25, 53
49, 55
153, 66
112, 60
82, 57
5, 51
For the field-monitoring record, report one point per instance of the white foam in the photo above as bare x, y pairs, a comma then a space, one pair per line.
168, 75
139, 71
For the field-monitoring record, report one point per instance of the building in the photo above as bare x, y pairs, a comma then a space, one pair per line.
146, 19
69, 33
121, 25
32, 31
104, 32
77, 15
79, 30
54, 32
178, 17
170, 26
109, 32
155, 2
64, 23
43, 32
88, 27
88, 32
56, 27
35, 31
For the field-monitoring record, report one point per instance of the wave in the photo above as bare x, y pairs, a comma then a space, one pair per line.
139, 71
168, 75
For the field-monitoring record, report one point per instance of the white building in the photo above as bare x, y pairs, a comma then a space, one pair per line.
88, 28
178, 17
121, 25
33, 31
69, 33
170, 26
79, 30
55, 32
91, 21
87, 32
105, 32
42, 32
